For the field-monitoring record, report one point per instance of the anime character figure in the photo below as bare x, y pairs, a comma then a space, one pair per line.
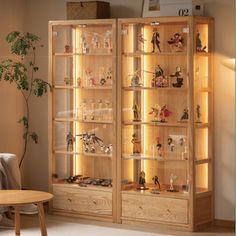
67, 80
90, 78
136, 112
159, 147
176, 43
177, 76
164, 112
170, 143
70, 139
67, 48
185, 115
199, 47
85, 45
198, 111
108, 149
79, 81
136, 144
160, 113
159, 80
142, 181
155, 40
155, 180
141, 38
107, 41
135, 79
172, 178
95, 41
155, 111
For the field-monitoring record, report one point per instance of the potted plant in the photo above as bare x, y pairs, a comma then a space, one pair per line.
22, 74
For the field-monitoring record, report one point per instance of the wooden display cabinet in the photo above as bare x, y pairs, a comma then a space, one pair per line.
82, 118
165, 121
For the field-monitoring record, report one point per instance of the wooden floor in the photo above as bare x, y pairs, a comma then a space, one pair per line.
63, 226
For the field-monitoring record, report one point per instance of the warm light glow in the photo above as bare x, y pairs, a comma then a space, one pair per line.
229, 63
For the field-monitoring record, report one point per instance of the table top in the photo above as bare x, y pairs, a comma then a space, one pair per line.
21, 197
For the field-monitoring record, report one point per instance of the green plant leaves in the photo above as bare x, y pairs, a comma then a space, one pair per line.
25, 121
34, 137
40, 87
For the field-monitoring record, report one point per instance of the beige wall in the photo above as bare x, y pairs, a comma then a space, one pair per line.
11, 103
37, 15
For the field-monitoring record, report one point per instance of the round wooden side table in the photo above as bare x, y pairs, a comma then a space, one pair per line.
18, 198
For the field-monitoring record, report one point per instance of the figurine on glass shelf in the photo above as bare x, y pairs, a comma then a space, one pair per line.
135, 79
67, 49
170, 143
109, 74
67, 80
85, 45
164, 113
142, 181
155, 40
172, 178
176, 43
108, 149
185, 115
107, 41
177, 76
159, 80
90, 78
136, 112
136, 144
159, 148
70, 139
79, 81
95, 41
160, 113
102, 79
141, 41
198, 113
155, 180
199, 47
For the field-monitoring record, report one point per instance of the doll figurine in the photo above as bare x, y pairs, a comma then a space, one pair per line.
184, 117
70, 139
198, 111
156, 112
136, 144
136, 112
135, 80
142, 181
155, 40
176, 43
164, 112
199, 47
159, 80
177, 76
159, 148
172, 178
67, 48
155, 180
170, 143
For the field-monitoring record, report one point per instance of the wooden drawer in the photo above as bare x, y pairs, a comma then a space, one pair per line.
82, 200
155, 208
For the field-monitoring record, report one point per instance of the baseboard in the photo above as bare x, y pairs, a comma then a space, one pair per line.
225, 223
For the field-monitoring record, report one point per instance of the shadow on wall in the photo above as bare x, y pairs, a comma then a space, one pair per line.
124, 12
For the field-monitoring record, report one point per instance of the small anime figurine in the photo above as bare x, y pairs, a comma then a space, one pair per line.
142, 181
141, 41
85, 45
159, 80
155, 180
185, 116
67, 80
107, 41
136, 112
135, 79
109, 149
102, 79
79, 81
109, 74
170, 143
179, 79
90, 78
67, 48
172, 178
199, 47
164, 112
159, 147
136, 144
155, 40
70, 139
95, 41
155, 110
198, 111
160, 113
176, 43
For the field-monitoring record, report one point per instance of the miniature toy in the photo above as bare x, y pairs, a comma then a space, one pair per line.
141, 38
90, 78
70, 139
185, 116
67, 80
160, 113
84, 109
109, 74
142, 181
95, 41
67, 48
172, 178
85, 45
170, 143
177, 76
159, 80
155, 110
155, 40
199, 47
108, 149
136, 144
107, 41
176, 43
135, 79
198, 111
155, 180
159, 148
136, 112
79, 81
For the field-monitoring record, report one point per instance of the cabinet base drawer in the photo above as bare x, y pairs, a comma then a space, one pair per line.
169, 210
75, 199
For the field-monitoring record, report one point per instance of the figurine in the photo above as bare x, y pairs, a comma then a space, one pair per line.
159, 147
176, 43
160, 113
172, 178
135, 80
79, 81
170, 144
67, 80
179, 79
164, 112
85, 45
109, 149
184, 117
107, 41
156, 181
95, 41
155, 40
198, 111
199, 47
69, 140
159, 80
136, 112
109, 75
67, 48
141, 38
136, 144
142, 181
90, 78
102, 76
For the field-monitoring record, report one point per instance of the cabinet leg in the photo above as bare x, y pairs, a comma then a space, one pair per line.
42, 219
17, 220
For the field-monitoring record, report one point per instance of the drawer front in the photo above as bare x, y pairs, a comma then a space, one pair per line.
155, 208
82, 200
